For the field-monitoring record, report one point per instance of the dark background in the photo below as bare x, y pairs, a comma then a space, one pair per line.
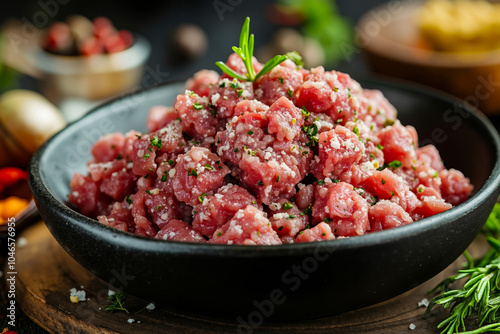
158, 20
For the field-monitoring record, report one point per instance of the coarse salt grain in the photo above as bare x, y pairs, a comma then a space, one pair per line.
21, 242
424, 302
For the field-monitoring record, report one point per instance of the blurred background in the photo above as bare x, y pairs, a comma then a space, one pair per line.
188, 36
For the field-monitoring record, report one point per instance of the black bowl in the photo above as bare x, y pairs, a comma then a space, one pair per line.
283, 282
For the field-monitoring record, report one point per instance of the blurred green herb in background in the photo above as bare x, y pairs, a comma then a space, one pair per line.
9, 78
323, 23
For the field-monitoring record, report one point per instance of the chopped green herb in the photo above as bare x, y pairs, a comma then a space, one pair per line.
392, 193
356, 131
435, 174
164, 177
219, 234
280, 228
158, 208
281, 80
148, 192
170, 161
254, 202
290, 92
380, 147
193, 172
236, 150
277, 178
146, 156
395, 164
117, 303
287, 206
291, 217
222, 84
250, 132
305, 113
388, 122
260, 183
197, 106
208, 167
129, 201
383, 181
327, 220
119, 157
295, 57
239, 91
201, 197
156, 142
321, 182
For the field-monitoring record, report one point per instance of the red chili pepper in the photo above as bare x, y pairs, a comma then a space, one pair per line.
10, 175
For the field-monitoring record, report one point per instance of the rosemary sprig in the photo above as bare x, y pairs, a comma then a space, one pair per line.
245, 51
480, 296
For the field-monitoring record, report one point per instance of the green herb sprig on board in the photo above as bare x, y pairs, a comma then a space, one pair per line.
245, 52
480, 296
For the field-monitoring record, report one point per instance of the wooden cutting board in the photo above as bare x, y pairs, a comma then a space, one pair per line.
46, 273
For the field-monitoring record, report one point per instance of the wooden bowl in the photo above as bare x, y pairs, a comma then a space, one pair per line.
393, 46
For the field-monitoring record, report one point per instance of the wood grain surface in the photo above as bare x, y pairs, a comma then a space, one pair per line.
46, 273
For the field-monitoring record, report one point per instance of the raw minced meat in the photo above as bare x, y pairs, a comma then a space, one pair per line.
297, 156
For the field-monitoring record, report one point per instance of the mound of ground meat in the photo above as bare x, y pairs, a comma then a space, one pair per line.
297, 156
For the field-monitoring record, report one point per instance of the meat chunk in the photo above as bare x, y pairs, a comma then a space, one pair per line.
398, 144
214, 211
178, 230
339, 205
197, 172
248, 227
286, 218
197, 116
202, 81
320, 232
285, 119
282, 81
339, 149
386, 214
455, 187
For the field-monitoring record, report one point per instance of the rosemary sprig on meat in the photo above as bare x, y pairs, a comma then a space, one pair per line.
245, 51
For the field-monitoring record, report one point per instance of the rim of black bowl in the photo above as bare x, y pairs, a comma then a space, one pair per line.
132, 241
